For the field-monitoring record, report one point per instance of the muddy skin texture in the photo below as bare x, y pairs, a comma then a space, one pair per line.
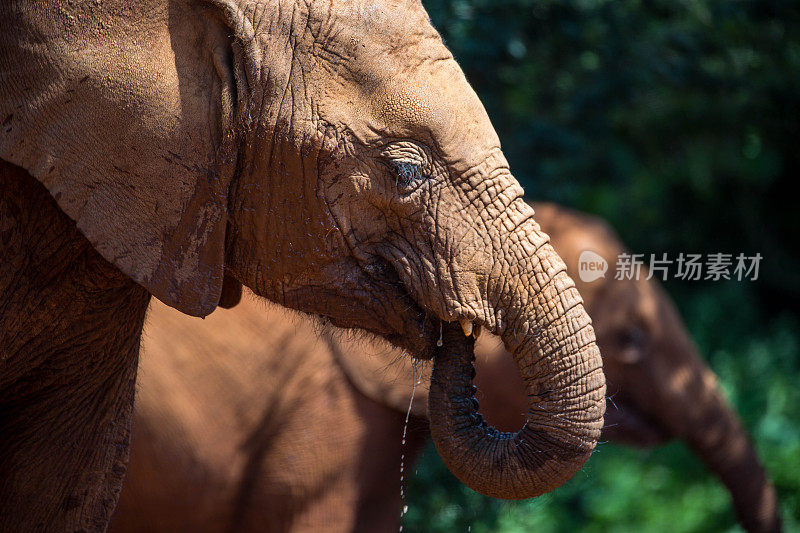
348, 479
69, 342
328, 155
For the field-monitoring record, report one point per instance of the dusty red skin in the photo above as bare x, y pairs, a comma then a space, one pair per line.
69, 343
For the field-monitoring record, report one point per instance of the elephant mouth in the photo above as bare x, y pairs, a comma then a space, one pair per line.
418, 327
368, 296
422, 326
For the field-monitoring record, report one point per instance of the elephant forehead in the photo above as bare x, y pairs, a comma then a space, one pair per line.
402, 83
394, 23
438, 108
405, 107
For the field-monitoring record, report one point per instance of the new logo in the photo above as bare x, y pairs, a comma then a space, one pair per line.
591, 266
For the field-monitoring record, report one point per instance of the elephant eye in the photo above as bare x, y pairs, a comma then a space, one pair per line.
634, 337
632, 345
409, 161
406, 173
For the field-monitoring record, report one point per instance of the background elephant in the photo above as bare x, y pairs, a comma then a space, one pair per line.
207, 417
331, 156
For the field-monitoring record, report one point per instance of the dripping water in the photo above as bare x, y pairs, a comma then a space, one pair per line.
417, 369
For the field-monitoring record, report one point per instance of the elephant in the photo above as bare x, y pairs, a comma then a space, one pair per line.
331, 157
206, 418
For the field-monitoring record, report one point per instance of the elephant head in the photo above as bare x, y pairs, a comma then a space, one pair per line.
660, 385
330, 156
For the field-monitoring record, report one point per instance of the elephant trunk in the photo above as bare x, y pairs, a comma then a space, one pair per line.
540, 317
719, 439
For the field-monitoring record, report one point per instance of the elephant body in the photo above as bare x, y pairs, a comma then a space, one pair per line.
230, 436
235, 409
328, 155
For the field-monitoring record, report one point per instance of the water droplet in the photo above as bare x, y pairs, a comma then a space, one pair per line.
414, 381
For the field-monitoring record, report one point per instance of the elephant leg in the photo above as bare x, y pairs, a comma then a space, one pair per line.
69, 340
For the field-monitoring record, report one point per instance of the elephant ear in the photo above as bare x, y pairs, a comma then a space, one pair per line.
124, 111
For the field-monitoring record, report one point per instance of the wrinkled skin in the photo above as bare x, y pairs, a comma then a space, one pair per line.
60, 318
331, 157
350, 477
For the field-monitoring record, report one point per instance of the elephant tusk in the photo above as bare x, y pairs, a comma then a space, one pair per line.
466, 325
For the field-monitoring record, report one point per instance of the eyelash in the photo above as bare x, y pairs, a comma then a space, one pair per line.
406, 173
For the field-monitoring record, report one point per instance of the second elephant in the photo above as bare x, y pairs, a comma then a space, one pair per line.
299, 432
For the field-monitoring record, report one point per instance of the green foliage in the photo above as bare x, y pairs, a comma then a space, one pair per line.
676, 120
679, 122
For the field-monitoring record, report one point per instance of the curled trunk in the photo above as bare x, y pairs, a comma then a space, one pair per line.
542, 322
